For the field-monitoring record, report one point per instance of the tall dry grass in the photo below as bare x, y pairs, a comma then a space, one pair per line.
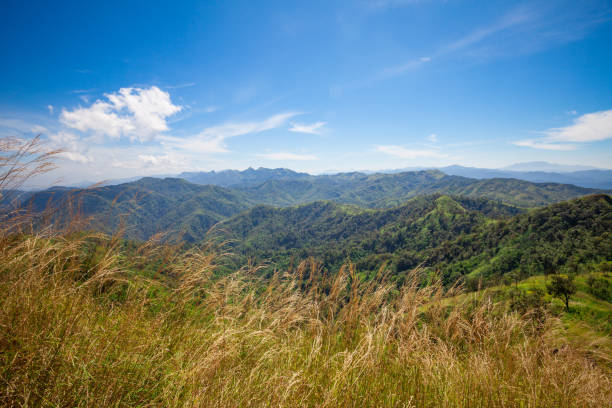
79, 333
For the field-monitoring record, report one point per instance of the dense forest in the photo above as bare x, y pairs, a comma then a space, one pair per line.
463, 238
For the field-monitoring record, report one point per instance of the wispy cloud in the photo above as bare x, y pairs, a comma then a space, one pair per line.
404, 153
313, 128
212, 139
433, 138
515, 17
381, 4
591, 127
139, 114
83, 91
511, 19
15, 127
403, 68
287, 156
540, 144
184, 85
522, 30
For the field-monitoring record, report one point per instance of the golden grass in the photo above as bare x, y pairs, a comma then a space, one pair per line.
79, 333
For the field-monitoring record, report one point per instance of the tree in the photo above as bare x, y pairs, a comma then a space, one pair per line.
599, 287
562, 287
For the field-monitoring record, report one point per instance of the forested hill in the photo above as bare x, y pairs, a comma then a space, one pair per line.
332, 232
458, 236
147, 206
568, 237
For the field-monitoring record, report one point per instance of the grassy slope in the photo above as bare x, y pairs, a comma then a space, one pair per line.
587, 325
83, 331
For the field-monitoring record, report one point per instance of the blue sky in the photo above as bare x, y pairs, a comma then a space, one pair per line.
135, 88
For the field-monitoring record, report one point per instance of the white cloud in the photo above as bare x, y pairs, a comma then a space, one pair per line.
432, 138
39, 129
287, 156
139, 114
72, 147
167, 160
212, 139
539, 144
50, 107
313, 128
403, 153
76, 157
591, 127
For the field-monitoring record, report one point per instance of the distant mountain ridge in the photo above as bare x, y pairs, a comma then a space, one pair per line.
248, 177
187, 210
282, 187
535, 172
594, 178
581, 176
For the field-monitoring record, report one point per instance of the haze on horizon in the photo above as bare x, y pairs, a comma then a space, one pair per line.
156, 88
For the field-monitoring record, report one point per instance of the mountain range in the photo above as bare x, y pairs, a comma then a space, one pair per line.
187, 210
591, 178
535, 172
464, 228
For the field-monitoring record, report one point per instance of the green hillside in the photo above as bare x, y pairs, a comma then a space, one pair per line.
461, 237
566, 237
